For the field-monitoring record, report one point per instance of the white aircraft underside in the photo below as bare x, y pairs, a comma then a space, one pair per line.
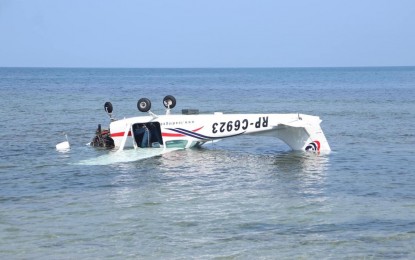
300, 132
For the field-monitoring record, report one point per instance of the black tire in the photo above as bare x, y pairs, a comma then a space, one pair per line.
144, 104
169, 101
108, 107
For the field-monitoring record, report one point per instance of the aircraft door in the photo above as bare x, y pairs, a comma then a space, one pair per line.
147, 134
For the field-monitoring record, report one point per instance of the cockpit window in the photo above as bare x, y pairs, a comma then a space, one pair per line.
147, 134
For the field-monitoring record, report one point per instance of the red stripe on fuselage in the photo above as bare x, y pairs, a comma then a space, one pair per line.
171, 135
120, 134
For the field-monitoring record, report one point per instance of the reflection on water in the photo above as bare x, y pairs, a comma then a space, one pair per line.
308, 163
125, 156
307, 172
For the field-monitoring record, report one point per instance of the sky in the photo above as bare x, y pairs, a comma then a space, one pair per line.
206, 33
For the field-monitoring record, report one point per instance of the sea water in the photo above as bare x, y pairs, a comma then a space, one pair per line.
242, 198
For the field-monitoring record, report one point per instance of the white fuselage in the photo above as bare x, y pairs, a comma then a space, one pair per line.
299, 131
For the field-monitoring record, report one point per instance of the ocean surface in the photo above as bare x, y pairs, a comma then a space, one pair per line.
242, 198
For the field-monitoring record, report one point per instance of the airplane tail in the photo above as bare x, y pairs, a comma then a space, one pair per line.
304, 134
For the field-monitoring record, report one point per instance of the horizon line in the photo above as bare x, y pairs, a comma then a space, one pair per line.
242, 67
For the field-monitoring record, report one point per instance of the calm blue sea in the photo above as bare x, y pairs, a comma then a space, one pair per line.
242, 198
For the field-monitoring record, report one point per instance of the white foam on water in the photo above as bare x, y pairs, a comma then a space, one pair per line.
126, 156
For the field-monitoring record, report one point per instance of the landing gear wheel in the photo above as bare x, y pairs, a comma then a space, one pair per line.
169, 101
144, 104
108, 107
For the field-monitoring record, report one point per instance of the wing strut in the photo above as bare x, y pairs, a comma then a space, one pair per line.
124, 138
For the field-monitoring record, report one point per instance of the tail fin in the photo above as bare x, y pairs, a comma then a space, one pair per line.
304, 134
